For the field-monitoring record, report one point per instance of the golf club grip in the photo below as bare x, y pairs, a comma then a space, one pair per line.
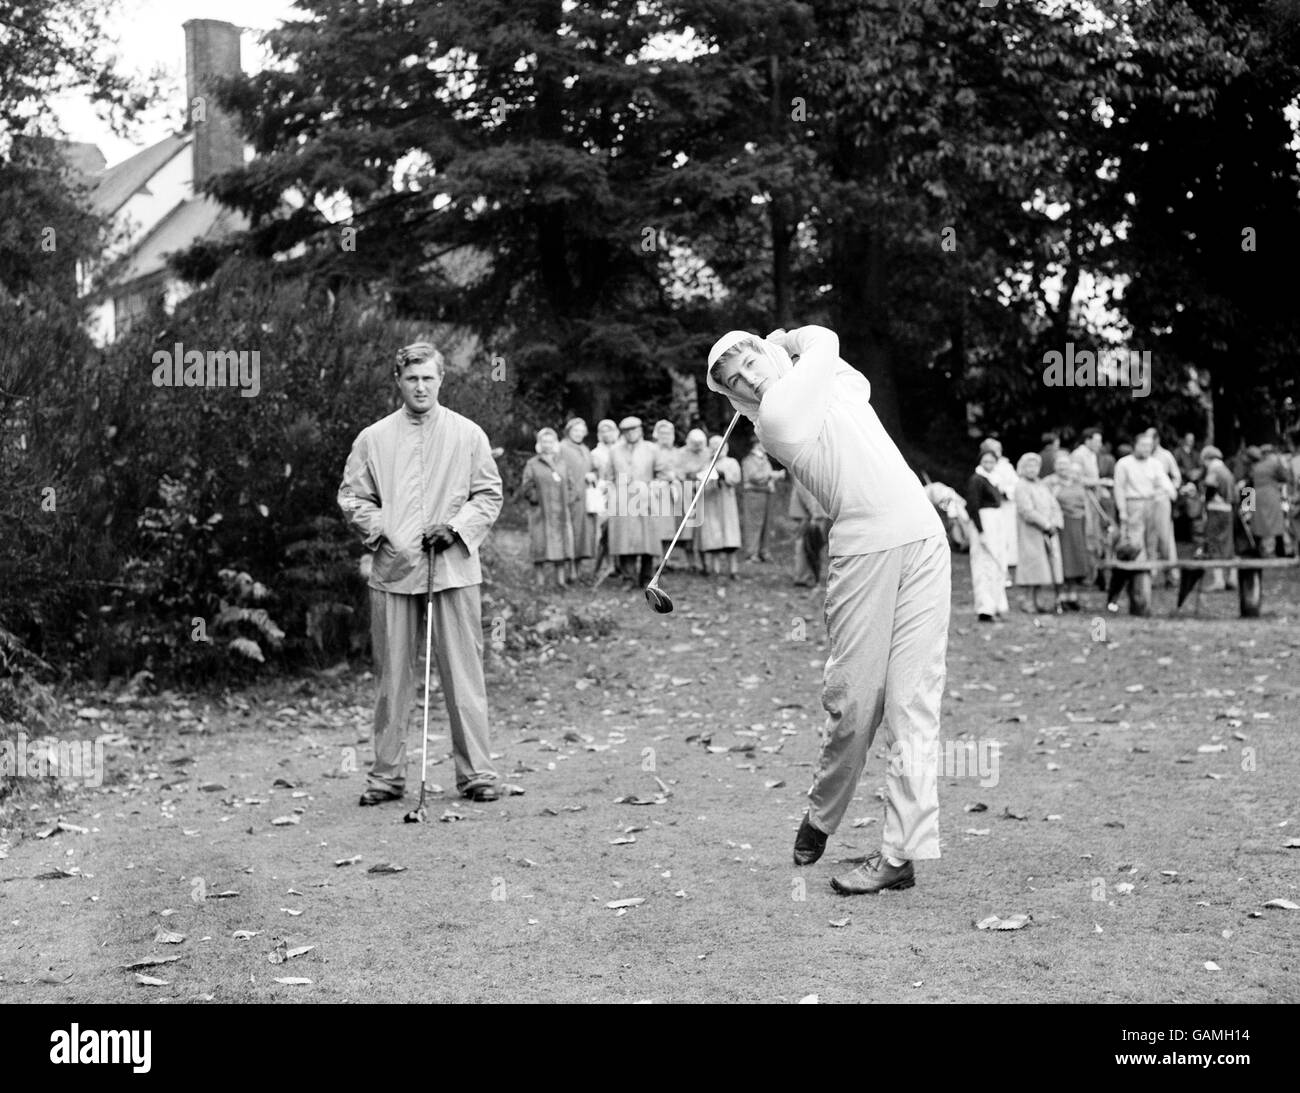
695, 499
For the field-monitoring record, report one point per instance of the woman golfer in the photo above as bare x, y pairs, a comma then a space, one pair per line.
887, 594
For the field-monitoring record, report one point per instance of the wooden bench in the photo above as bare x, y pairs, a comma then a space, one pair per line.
1250, 583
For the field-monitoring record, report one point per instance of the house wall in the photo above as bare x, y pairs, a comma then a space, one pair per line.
171, 185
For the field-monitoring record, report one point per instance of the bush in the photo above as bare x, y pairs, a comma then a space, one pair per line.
164, 492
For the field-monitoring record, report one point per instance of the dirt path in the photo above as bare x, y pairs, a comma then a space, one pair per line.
1102, 752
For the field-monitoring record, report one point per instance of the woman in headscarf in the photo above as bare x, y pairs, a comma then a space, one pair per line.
1004, 477
1220, 497
602, 461
578, 462
1067, 487
550, 493
719, 531
1039, 524
988, 569
666, 493
1269, 475
692, 461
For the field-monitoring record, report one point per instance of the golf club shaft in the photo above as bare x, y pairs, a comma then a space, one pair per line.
698, 489
428, 656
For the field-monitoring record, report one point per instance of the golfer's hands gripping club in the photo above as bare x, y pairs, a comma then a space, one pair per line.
438, 539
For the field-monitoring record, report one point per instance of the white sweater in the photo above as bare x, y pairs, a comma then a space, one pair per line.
818, 420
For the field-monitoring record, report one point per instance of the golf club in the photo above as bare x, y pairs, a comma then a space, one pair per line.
419, 814
656, 597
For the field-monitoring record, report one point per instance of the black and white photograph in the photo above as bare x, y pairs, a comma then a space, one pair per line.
650, 502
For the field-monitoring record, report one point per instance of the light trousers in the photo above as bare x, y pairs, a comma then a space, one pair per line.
887, 618
397, 631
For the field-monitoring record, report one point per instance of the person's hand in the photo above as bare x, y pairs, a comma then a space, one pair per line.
438, 539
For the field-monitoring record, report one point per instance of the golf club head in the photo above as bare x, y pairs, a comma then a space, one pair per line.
658, 599
416, 816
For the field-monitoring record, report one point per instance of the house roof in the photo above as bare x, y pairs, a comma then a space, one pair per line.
189, 222
84, 158
116, 185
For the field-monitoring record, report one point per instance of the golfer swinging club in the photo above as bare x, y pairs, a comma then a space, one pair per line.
887, 594
423, 479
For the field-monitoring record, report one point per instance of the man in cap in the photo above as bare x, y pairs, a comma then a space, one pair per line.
423, 479
633, 534
888, 590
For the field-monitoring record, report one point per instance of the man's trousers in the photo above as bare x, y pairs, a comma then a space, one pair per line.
887, 618
397, 627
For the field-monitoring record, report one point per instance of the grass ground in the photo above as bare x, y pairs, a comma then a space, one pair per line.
1141, 855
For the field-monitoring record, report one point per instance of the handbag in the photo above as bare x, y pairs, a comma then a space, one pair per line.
595, 501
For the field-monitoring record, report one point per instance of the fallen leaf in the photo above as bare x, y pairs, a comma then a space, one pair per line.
978, 830
149, 962
245, 935
616, 904
622, 840
1283, 905
348, 861
1009, 813
978, 806
293, 981
993, 922
228, 894
839, 923
285, 821
809, 1000
1211, 966
167, 937
291, 912
386, 867
1124, 888
150, 981
862, 821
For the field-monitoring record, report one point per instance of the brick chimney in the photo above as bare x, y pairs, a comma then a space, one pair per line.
211, 50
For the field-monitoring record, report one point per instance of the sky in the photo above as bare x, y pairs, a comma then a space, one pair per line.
150, 36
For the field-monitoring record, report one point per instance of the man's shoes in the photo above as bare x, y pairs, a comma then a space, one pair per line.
809, 844
373, 796
874, 875
482, 794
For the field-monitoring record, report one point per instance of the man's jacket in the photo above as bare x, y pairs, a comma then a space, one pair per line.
406, 474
